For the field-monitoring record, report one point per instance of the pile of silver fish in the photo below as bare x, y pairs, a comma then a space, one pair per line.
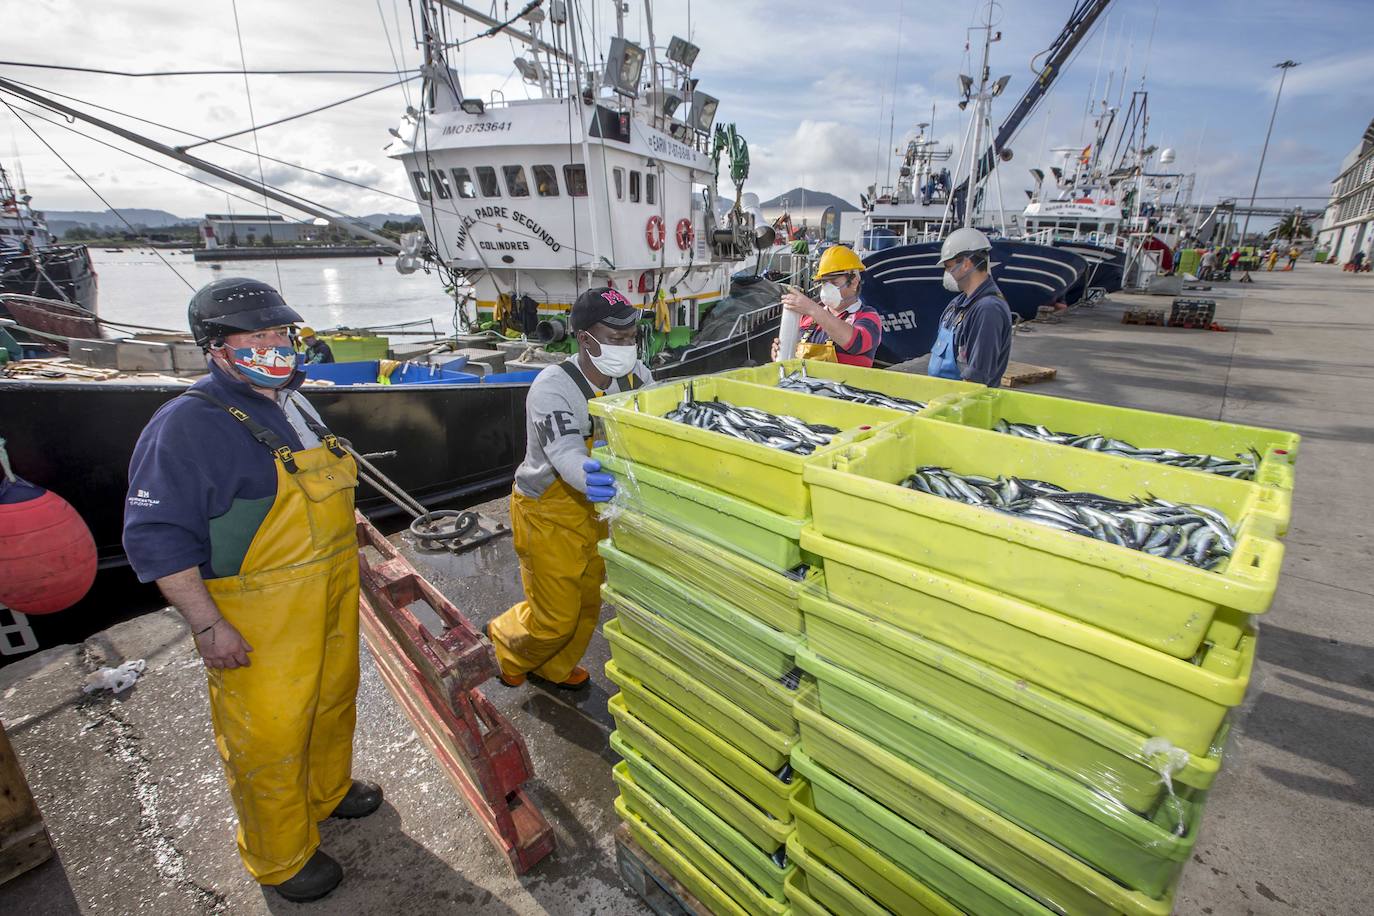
773, 430
828, 388
1197, 535
1241, 467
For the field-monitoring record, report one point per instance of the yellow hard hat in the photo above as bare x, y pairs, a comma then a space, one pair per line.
305, 331
838, 259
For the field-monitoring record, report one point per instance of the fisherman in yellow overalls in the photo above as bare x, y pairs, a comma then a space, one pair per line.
240, 507
839, 327
553, 503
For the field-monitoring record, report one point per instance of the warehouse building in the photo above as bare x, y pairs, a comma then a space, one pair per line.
240, 229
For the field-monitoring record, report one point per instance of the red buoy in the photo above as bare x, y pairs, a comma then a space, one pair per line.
47, 554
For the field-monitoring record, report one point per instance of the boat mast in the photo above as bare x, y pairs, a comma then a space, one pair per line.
980, 112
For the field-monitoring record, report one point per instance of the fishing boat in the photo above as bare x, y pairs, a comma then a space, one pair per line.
33, 263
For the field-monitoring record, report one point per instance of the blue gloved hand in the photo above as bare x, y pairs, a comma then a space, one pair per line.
600, 485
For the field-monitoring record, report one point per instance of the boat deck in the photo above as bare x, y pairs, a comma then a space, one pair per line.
135, 799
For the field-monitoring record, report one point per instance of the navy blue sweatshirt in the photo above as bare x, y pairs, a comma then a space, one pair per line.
982, 335
200, 484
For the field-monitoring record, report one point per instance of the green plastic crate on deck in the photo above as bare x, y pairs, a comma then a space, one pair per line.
1278, 450
1168, 605
1156, 694
724, 625
766, 593
738, 868
755, 692
814, 887
679, 865
741, 526
1099, 752
636, 741
763, 743
637, 430
1058, 879
762, 787
909, 385
848, 831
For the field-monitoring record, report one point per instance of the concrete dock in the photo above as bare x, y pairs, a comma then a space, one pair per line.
135, 800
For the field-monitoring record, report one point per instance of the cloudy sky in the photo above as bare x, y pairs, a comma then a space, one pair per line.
815, 87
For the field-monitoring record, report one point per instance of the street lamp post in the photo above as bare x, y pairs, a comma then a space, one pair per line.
1283, 67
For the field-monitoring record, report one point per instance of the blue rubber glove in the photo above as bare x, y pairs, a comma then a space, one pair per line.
600, 485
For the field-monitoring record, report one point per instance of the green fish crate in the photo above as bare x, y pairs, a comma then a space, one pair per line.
727, 521
925, 389
890, 859
724, 625
688, 693
1152, 693
814, 887
1278, 450
1079, 742
766, 593
642, 747
637, 430
764, 788
857, 498
1057, 878
751, 878
681, 866
766, 698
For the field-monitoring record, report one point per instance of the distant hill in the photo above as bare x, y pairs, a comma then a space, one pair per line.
62, 220
377, 220
796, 196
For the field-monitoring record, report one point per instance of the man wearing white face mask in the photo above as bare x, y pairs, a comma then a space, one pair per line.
973, 343
552, 508
838, 328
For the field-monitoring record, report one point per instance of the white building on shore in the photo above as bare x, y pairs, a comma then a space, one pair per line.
240, 229
1347, 227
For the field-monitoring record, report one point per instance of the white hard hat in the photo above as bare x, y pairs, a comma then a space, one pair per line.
962, 240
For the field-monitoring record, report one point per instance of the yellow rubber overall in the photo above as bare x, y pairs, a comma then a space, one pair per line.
284, 725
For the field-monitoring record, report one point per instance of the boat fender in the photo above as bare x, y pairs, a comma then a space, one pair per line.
685, 234
47, 554
654, 232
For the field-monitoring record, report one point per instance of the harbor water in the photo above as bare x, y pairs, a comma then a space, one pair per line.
136, 287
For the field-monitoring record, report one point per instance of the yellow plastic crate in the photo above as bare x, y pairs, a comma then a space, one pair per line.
924, 388
765, 744
798, 892
764, 697
1056, 878
1157, 602
828, 891
1153, 693
1278, 450
678, 865
636, 430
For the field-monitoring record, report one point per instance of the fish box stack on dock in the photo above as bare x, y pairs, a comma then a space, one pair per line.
1024, 652
705, 574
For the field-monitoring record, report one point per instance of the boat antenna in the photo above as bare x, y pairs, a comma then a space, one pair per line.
252, 119
892, 114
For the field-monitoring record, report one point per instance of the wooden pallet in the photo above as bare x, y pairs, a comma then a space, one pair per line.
24, 841
1018, 375
660, 891
1147, 317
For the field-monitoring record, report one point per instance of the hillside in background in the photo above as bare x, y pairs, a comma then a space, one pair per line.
798, 197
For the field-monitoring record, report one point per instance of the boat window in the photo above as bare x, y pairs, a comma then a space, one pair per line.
575, 179
462, 180
516, 185
634, 187
546, 180
421, 184
486, 179
441, 185
650, 188
619, 175
1084, 228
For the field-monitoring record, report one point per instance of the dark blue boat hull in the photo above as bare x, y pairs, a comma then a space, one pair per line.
904, 285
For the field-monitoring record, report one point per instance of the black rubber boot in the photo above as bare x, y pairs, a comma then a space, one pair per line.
362, 799
317, 878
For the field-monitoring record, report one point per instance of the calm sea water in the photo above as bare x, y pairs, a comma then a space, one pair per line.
136, 287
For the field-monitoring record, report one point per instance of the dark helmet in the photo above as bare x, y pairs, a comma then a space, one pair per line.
236, 304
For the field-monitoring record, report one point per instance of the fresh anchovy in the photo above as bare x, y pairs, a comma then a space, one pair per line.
1241, 467
773, 430
827, 388
1199, 536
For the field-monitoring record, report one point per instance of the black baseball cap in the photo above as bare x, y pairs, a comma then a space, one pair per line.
603, 305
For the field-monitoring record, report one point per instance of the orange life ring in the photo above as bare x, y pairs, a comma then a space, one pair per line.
685, 234
654, 232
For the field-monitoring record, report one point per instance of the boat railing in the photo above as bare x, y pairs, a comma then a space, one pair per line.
752, 320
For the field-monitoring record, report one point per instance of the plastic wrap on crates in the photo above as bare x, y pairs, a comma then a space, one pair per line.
914, 393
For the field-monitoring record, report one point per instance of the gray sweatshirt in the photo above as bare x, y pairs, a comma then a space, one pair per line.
557, 425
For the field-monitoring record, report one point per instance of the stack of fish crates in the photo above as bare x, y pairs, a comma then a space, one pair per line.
706, 575
1003, 716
